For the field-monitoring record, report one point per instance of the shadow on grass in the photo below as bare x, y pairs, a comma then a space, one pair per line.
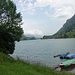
69, 68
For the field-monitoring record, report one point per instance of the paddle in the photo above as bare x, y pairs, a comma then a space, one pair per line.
61, 54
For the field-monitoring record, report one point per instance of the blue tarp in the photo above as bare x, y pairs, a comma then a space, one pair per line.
67, 56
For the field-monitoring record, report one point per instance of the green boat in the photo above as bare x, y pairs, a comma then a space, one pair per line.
67, 63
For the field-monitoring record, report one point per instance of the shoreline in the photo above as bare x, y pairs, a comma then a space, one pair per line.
10, 66
44, 65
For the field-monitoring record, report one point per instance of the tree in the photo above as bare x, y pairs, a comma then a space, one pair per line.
10, 26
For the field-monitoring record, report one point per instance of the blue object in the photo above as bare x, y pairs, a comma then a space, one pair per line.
67, 56
70, 56
62, 56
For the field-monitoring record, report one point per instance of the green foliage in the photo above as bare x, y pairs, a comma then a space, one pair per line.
47, 37
10, 26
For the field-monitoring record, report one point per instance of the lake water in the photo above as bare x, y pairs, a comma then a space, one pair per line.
42, 51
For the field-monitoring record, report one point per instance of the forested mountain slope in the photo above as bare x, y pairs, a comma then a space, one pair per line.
67, 31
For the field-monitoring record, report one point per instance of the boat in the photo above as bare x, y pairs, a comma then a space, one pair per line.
68, 63
66, 56
70, 56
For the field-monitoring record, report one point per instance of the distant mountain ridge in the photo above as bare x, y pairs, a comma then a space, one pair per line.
67, 31
30, 37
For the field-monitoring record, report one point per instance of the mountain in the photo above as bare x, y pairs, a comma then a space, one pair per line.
35, 35
29, 37
67, 31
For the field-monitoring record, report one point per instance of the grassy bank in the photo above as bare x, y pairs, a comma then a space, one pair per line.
9, 66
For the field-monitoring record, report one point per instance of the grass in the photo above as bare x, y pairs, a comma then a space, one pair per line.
9, 66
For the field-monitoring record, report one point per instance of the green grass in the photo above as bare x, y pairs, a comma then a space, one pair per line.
9, 66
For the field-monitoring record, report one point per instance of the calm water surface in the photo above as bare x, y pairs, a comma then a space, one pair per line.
42, 51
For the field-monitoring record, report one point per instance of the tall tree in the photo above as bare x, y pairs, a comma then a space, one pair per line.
10, 26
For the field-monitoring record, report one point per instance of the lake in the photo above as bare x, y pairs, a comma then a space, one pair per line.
42, 51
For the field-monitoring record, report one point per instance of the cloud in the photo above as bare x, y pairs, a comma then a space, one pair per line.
30, 27
53, 3
42, 3
25, 6
34, 32
64, 12
62, 8
55, 9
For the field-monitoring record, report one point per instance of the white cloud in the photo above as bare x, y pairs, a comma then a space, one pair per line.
34, 32
30, 27
53, 3
62, 8
30, 6
25, 6
42, 3
64, 12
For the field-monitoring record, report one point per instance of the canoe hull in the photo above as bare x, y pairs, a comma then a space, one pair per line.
68, 63
71, 65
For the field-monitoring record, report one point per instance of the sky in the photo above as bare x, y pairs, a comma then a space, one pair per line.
44, 17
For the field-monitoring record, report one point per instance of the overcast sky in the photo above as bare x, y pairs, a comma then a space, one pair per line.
44, 17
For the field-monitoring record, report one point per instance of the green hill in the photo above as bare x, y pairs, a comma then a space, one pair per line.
67, 31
